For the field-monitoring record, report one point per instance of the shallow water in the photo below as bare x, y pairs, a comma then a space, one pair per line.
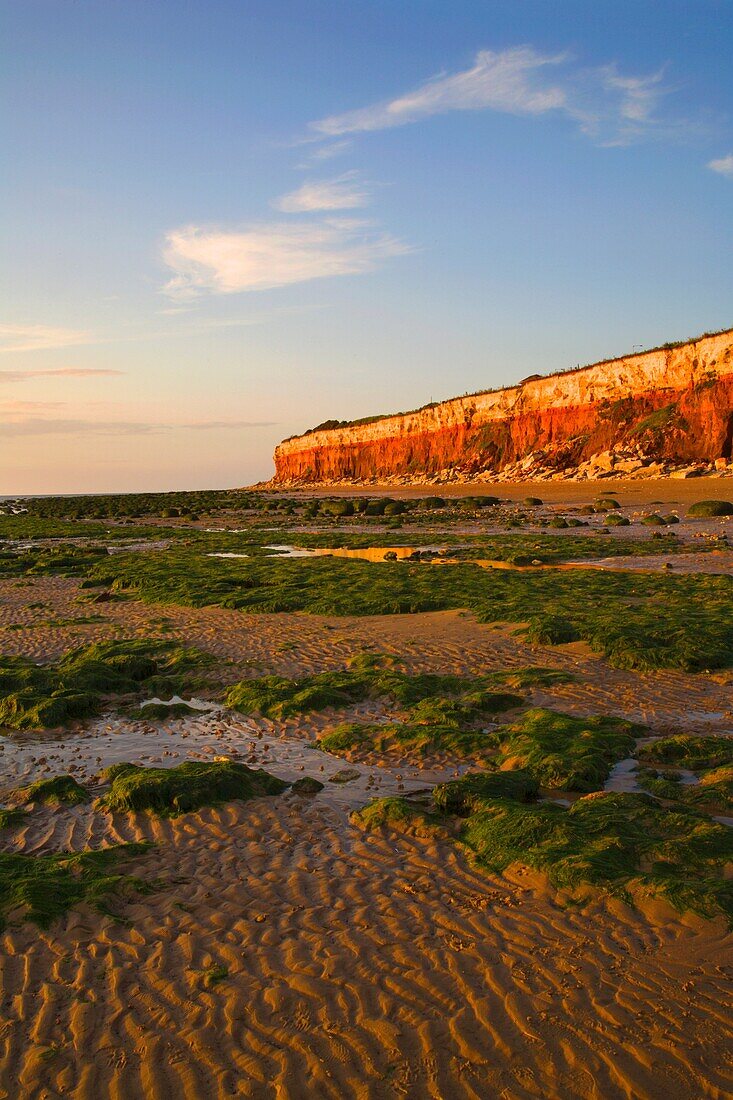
716, 562
194, 704
369, 553
623, 777
218, 733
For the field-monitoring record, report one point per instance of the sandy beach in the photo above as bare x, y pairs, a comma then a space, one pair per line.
346, 964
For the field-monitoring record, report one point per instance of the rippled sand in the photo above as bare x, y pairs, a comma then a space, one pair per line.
357, 966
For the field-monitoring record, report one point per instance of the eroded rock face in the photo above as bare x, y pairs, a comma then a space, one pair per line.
648, 412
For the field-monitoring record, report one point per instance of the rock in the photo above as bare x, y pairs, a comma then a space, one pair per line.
307, 785
346, 775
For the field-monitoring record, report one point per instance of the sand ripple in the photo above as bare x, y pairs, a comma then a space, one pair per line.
357, 966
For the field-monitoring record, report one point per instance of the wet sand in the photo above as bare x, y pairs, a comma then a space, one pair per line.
356, 966
364, 966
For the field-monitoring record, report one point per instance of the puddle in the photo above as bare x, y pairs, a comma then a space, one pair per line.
623, 777
368, 553
227, 554
438, 555
112, 739
194, 704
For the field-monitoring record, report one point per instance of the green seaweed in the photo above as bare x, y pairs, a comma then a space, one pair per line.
59, 790
689, 751
162, 712
637, 620
169, 792
47, 886
614, 841
468, 794
9, 818
41, 696
399, 815
369, 676
563, 751
709, 509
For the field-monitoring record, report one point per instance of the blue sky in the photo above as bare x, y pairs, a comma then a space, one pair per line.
227, 221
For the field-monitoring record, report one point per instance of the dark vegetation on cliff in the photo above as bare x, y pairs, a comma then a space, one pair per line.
330, 425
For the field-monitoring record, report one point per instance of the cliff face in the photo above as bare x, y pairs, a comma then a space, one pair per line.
668, 405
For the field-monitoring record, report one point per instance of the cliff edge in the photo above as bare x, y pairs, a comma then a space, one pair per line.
668, 411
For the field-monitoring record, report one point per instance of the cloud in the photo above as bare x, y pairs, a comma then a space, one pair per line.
40, 338
334, 149
342, 193
611, 107
724, 165
504, 81
60, 372
265, 256
15, 422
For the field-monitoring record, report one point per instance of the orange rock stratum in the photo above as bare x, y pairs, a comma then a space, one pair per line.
646, 412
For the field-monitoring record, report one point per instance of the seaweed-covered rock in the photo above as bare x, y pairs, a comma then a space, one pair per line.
169, 792
307, 785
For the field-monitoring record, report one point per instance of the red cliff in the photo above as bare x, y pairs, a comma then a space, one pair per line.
641, 414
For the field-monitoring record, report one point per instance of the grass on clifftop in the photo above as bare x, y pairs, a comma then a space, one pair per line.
169, 792
46, 886
40, 696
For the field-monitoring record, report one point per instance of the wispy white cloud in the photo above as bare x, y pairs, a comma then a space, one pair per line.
501, 81
723, 165
265, 256
40, 338
22, 419
60, 372
333, 149
611, 107
345, 192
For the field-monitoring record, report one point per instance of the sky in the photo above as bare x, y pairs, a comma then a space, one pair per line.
225, 221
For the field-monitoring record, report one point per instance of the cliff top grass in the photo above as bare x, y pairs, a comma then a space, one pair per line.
169, 792
47, 886
625, 844
40, 696
671, 346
